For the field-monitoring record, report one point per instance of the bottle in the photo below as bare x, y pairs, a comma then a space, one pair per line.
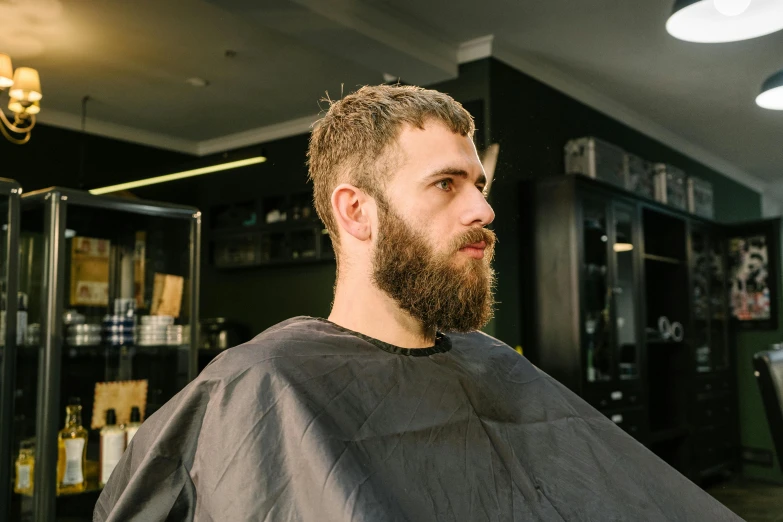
72, 446
25, 468
133, 426
112, 445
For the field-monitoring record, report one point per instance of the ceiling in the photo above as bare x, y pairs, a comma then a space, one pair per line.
132, 59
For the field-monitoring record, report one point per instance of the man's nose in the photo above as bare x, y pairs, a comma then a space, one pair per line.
477, 210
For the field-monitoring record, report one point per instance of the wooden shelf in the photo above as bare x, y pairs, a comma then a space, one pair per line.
277, 226
278, 263
663, 259
662, 342
669, 434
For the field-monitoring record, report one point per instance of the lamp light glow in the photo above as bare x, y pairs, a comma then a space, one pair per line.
27, 85
18, 107
623, 247
179, 175
6, 71
771, 96
703, 20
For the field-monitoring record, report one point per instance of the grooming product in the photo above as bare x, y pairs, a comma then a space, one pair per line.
72, 450
112, 445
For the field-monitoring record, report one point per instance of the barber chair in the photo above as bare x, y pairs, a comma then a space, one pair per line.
769, 374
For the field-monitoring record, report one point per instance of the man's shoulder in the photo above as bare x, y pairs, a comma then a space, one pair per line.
482, 344
284, 344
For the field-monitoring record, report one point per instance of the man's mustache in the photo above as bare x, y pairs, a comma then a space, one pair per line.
473, 236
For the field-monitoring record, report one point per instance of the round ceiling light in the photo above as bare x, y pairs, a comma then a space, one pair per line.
771, 96
731, 7
713, 21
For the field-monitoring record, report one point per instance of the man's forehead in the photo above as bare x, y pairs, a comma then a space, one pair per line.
435, 147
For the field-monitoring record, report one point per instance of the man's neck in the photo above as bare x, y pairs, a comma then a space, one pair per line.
360, 306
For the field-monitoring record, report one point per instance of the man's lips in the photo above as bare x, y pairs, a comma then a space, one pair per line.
475, 250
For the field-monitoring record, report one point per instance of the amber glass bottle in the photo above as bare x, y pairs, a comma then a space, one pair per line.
25, 468
72, 445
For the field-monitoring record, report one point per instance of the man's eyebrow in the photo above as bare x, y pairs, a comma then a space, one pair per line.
452, 171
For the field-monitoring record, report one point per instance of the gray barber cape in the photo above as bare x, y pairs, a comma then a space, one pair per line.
312, 422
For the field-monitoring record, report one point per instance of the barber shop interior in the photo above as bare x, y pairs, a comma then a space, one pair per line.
364, 260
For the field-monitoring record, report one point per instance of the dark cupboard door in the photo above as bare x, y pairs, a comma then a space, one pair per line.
597, 332
625, 298
701, 278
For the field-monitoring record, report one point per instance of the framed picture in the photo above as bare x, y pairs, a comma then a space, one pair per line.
753, 252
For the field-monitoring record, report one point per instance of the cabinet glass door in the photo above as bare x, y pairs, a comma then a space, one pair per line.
10, 318
718, 305
701, 271
596, 331
624, 294
32, 247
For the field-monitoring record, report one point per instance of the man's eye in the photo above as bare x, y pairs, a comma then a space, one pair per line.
444, 184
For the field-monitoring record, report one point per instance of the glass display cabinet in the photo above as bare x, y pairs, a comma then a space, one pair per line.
626, 302
112, 287
10, 320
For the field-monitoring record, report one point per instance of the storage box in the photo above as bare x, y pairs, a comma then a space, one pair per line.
670, 186
606, 162
596, 159
700, 199
639, 177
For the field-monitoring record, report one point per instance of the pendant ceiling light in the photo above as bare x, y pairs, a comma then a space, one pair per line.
713, 21
771, 96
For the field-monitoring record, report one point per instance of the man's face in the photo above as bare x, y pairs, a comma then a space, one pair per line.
432, 253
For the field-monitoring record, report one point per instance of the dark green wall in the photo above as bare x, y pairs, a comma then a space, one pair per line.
53, 156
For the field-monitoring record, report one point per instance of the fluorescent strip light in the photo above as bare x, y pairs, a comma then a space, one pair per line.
178, 175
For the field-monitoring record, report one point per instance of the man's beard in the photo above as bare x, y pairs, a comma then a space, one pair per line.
439, 290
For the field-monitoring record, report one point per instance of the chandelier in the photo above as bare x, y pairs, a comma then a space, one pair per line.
24, 95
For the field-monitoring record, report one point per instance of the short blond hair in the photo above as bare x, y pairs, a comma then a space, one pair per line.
350, 143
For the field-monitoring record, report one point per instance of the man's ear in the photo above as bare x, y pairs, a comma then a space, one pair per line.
351, 207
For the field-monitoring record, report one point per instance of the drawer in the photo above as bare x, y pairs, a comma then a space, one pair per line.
716, 435
713, 412
713, 452
632, 421
610, 398
710, 385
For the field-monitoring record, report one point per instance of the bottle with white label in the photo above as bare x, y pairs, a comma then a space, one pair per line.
25, 468
112, 445
133, 426
72, 446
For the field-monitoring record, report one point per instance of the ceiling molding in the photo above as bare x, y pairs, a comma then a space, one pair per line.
556, 79
475, 49
256, 136
772, 200
105, 129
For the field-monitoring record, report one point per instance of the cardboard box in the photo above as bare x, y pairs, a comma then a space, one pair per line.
670, 186
700, 198
90, 271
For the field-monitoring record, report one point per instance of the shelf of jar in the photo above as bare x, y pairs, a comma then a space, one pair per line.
75, 352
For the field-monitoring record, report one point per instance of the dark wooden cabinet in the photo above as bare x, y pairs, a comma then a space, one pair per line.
626, 303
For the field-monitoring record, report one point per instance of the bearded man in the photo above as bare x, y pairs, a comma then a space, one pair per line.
396, 407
